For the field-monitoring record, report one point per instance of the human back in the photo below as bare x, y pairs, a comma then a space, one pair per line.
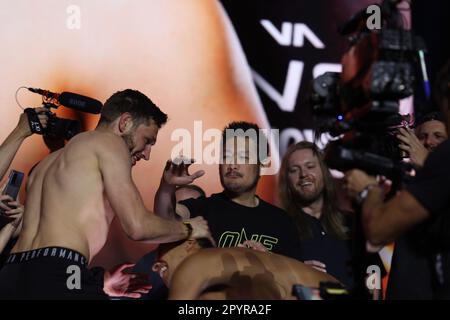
66, 205
243, 273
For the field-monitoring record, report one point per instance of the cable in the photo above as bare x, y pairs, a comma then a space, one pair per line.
17, 100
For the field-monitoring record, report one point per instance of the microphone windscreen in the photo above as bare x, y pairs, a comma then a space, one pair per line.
80, 103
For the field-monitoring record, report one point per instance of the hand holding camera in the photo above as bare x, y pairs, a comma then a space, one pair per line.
24, 128
412, 146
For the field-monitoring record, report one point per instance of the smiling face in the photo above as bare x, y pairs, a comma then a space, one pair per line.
140, 140
239, 172
431, 134
304, 175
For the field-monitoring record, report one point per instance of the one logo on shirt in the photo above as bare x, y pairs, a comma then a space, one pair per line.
234, 238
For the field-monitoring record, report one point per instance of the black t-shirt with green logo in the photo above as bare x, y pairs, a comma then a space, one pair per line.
232, 224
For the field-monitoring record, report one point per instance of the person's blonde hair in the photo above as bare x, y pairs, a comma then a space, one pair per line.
332, 219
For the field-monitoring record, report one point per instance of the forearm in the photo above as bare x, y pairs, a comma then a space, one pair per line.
6, 234
164, 205
373, 217
9, 148
154, 229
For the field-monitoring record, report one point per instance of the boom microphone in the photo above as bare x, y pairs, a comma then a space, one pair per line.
72, 100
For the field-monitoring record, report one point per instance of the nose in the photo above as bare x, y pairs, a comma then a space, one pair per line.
231, 162
430, 143
302, 173
233, 166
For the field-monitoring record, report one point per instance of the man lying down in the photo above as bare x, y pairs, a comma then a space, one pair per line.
193, 269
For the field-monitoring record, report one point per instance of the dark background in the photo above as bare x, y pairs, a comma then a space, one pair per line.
430, 19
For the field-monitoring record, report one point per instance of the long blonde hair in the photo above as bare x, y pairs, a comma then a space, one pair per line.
331, 218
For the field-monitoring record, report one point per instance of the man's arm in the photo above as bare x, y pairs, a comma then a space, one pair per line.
384, 222
13, 211
165, 205
9, 147
137, 222
6, 234
175, 174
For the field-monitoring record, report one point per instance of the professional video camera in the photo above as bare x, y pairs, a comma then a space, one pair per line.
361, 104
58, 127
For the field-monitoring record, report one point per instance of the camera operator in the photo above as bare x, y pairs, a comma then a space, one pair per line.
413, 252
13, 210
426, 198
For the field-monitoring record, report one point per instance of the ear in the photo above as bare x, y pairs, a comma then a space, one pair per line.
125, 122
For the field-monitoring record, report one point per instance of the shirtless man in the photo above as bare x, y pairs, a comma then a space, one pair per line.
74, 194
186, 53
231, 273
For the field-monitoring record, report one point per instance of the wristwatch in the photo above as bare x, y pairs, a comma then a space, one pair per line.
364, 193
188, 228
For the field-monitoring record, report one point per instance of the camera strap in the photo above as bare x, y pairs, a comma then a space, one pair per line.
33, 121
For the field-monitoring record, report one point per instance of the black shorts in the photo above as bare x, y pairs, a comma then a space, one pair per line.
50, 273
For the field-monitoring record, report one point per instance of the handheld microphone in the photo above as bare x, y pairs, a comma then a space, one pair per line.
72, 100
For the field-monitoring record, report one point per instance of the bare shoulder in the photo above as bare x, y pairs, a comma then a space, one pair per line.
100, 142
98, 138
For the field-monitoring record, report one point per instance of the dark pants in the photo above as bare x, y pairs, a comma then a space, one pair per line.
50, 273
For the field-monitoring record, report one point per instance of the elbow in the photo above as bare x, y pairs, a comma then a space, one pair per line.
139, 232
134, 231
135, 236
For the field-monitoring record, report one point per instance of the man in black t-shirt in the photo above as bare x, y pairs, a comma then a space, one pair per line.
237, 216
233, 224
427, 198
416, 252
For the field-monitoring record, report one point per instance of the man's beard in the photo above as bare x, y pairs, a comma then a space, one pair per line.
238, 189
306, 199
128, 138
